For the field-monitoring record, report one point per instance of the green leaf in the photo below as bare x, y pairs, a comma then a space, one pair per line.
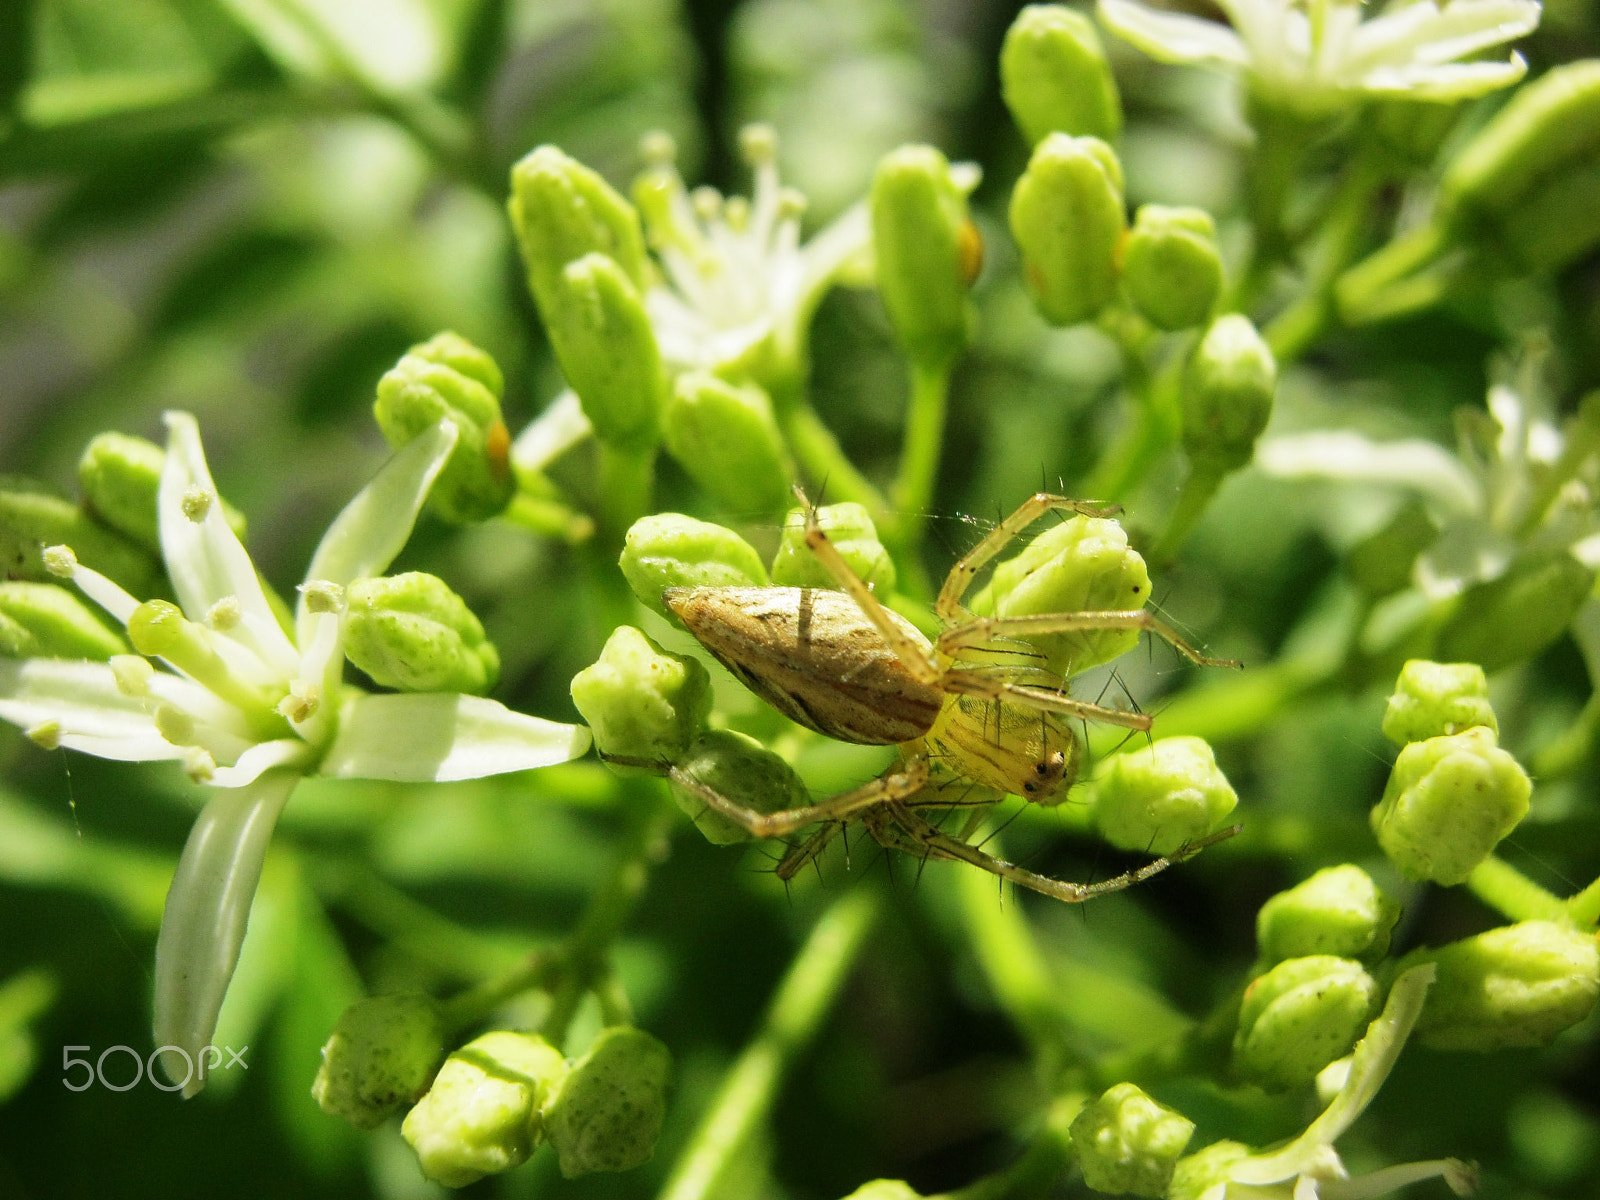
22, 998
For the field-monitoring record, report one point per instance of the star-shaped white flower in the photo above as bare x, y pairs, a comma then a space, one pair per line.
1318, 57
1308, 1167
251, 707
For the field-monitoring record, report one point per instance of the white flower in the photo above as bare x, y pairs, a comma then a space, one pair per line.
1319, 57
252, 708
1309, 1167
1517, 484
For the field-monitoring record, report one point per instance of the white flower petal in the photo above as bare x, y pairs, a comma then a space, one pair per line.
374, 526
1466, 552
83, 699
551, 434
1426, 34
204, 559
1413, 463
1447, 82
207, 909
440, 736
1173, 37
261, 758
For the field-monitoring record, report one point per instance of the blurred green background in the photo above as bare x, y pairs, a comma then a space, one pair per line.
250, 208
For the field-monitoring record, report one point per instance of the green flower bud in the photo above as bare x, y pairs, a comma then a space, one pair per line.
608, 1113
921, 235
1171, 265
381, 1055
1203, 1170
1449, 800
448, 377
1299, 1017
1510, 619
561, 211
853, 535
1128, 1144
1083, 564
885, 1189
1381, 563
483, 1113
1161, 796
31, 520
1338, 911
670, 550
1067, 217
741, 769
45, 620
121, 476
1518, 985
727, 440
1530, 180
1433, 699
413, 633
1055, 77
641, 701
1228, 386
607, 351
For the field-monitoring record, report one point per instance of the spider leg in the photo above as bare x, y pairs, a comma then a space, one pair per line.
896, 825
974, 683
980, 630
1030, 510
903, 781
798, 855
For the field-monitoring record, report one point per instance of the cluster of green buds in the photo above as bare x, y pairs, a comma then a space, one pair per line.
487, 1106
1451, 795
1128, 1144
1519, 197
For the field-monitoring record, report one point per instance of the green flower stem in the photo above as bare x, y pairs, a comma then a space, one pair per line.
1039, 1169
1508, 891
549, 518
1584, 908
626, 484
1153, 431
1193, 498
1582, 441
1572, 747
1386, 285
748, 1090
580, 961
822, 459
919, 459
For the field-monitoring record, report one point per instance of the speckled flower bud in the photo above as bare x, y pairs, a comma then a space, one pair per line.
919, 229
561, 211
1510, 619
1299, 1017
640, 701
1228, 385
31, 520
413, 633
1449, 800
1055, 77
448, 378
381, 1055
45, 620
742, 770
1518, 985
1201, 1171
482, 1114
120, 476
1171, 265
607, 1115
1083, 564
1161, 796
852, 533
607, 350
669, 550
1067, 217
1128, 1144
726, 438
1433, 699
1338, 911
1526, 181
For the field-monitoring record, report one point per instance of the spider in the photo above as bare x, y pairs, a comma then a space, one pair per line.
968, 731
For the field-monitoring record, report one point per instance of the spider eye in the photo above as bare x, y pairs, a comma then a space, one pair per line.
1028, 787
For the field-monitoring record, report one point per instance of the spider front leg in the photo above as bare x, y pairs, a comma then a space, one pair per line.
897, 826
979, 631
948, 606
